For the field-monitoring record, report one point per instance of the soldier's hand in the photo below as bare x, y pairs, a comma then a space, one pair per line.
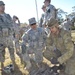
54, 60
17, 36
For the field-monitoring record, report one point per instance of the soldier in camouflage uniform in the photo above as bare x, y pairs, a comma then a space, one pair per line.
34, 41
60, 39
6, 31
50, 10
41, 24
16, 27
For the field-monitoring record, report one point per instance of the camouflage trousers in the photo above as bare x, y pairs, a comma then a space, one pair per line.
6, 42
17, 45
37, 56
16, 41
2, 56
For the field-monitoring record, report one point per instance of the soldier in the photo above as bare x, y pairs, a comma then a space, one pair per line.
16, 33
6, 34
33, 42
50, 10
41, 24
60, 39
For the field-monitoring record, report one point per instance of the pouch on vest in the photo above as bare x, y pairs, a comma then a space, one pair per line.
5, 32
1, 47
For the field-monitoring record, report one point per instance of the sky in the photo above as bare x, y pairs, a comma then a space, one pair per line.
26, 9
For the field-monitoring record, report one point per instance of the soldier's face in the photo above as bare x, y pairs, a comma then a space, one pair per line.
34, 26
46, 3
53, 30
2, 8
14, 19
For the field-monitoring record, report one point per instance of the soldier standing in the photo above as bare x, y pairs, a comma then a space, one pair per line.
16, 33
60, 39
6, 34
50, 10
34, 41
41, 24
17, 36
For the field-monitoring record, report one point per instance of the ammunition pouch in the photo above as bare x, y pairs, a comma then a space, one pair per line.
1, 47
5, 32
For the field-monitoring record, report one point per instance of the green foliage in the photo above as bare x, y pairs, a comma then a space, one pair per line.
73, 27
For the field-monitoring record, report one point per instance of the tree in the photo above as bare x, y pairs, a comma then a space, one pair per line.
72, 15
60, 14
73, 8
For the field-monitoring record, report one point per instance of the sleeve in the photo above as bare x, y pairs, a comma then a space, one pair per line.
41, 20
69, 49
25, 38
19, 22
49, 48
44, 35
52, 12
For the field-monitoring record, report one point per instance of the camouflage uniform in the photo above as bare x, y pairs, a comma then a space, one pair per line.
43, 26
41, 20
63, 43
6, 38
16, 35
34, 40
50, 12
42, 17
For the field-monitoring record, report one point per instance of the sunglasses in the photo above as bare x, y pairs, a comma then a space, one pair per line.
33, 24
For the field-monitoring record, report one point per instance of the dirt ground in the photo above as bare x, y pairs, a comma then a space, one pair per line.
19, 68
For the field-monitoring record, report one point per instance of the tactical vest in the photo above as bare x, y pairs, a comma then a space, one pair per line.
5, 24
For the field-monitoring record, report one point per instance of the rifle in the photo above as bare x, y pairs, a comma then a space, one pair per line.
54, 61
47, 70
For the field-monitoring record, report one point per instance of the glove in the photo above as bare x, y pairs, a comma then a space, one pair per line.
61, 67
54, 60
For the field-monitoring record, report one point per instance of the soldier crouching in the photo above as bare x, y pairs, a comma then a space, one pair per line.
59, 45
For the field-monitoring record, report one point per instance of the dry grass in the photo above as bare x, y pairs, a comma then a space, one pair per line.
19, 68
73, 35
